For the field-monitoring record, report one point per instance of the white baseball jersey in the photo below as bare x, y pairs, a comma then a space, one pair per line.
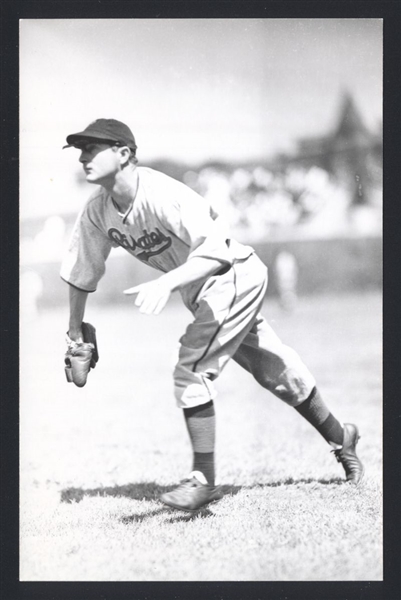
161, 229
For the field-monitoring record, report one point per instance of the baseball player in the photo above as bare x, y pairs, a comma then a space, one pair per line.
168, 226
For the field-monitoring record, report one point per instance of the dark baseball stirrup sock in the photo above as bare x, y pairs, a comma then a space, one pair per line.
314, 410
201, 425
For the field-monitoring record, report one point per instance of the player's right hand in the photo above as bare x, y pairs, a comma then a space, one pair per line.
152, 296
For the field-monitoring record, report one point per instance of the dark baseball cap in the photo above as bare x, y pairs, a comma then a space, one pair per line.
108, 131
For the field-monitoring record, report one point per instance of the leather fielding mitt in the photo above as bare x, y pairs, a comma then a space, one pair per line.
81, 357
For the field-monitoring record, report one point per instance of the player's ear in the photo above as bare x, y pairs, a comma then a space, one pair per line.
125, 154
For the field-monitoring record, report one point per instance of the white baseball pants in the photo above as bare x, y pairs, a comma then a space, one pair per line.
228, 324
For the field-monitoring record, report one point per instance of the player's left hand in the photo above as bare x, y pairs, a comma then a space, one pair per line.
152, 296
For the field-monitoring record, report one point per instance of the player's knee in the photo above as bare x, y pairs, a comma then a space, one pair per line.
293, 396
191, 389
191, 395
292, 386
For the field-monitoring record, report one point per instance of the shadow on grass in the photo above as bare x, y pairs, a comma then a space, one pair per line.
138, 491
309, 480
135, 491
152, 491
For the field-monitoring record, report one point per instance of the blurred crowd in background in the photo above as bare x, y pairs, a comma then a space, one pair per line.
261, 205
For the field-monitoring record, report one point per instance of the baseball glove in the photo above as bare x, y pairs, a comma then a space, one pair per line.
81, 357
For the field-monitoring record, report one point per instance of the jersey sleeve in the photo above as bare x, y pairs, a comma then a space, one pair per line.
194, 222
84, 263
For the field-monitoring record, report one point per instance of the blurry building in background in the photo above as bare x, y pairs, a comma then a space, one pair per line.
351, 153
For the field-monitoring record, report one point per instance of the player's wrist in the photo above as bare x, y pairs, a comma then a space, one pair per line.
75, 334
169, 282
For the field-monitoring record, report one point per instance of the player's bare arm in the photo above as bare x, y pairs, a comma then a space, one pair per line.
77, 299
153, 296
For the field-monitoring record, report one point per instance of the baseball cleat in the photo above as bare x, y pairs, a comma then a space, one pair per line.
347, 455
191, 494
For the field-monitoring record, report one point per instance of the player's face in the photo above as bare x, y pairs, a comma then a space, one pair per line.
101, 162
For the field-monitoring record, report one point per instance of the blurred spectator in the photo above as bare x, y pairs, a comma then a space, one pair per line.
31, 289
286, 271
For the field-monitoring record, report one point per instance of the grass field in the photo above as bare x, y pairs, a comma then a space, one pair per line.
93, 460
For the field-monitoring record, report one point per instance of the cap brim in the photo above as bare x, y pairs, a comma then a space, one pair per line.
76, 138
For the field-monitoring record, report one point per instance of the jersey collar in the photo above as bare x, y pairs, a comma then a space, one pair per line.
125, 215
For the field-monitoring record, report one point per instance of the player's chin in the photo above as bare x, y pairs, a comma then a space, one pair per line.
92, 178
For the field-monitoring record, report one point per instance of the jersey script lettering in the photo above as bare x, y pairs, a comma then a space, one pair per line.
148, 241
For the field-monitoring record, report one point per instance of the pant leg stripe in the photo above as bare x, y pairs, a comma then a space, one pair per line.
194, 368
260, 293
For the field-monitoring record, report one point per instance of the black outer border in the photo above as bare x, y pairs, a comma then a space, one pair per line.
13, 10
